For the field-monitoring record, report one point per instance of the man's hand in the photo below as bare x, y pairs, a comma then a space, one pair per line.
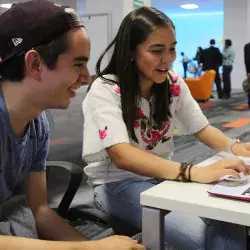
115, 243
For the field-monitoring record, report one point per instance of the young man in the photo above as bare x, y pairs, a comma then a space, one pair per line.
44, 50
212, 59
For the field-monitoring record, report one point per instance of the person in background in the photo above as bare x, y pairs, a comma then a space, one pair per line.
185, 62
247, 64
198, 59
228, 60
44, 51
211, 58
130, 113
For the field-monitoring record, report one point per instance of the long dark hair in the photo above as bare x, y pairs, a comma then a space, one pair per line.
134, 30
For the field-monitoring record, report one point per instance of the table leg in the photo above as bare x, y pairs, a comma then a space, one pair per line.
153, 228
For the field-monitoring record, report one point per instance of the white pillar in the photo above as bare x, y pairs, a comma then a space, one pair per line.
248, 21
237, 28
147, 3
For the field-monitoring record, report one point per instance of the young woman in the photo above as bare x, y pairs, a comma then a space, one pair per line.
130, 112
198, 59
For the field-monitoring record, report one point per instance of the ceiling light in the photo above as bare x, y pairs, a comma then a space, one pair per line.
189, 6
6, 5
218, 13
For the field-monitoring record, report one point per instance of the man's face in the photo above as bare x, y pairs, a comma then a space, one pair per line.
70, 73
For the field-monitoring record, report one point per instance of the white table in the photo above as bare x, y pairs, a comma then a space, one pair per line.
188, 198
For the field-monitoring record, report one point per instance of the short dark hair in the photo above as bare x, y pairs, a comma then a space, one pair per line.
212, 42
134, 30
14, 69
228, 42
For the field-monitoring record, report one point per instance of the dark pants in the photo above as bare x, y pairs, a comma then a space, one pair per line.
248, 100
226, 75
185, 68
217, 81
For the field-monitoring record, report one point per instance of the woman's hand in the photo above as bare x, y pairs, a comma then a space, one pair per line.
220, 168
241, 149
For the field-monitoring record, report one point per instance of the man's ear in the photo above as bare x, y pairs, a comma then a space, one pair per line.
34, 64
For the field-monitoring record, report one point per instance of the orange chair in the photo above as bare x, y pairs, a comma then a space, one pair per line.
201, 88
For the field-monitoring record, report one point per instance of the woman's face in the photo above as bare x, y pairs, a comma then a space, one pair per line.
155, 55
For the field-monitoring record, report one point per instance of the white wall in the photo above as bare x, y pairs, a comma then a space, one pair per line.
127, 6
115, 7
70, 3
248, 21
237, 28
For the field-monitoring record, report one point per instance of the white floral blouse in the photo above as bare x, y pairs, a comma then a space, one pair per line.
104, 127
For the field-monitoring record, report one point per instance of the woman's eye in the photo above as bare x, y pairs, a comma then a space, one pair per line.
172, 49
157, 51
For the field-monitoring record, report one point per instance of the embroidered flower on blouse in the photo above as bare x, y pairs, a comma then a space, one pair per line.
175, 89
137, 124
103, 133
117, 89
175, 78
140, 114
150, 134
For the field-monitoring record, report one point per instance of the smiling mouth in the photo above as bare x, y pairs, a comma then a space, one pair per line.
73, 91
163, 70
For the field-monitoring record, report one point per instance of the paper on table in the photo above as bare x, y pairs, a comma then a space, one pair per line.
232, 190
236, 189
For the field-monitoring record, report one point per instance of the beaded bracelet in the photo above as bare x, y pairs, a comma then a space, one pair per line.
183, 168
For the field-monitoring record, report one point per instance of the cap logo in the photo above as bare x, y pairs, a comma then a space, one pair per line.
17, 41
73, 18
58, 5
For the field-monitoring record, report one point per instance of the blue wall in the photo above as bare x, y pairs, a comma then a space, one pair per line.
196, 30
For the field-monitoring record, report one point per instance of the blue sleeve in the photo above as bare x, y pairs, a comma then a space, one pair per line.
39, 164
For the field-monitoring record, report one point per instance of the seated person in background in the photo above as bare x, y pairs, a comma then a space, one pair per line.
43, 61
130, 113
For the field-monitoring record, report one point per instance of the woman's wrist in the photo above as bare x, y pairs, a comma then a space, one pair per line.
231, 145
194, 174
184, 172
